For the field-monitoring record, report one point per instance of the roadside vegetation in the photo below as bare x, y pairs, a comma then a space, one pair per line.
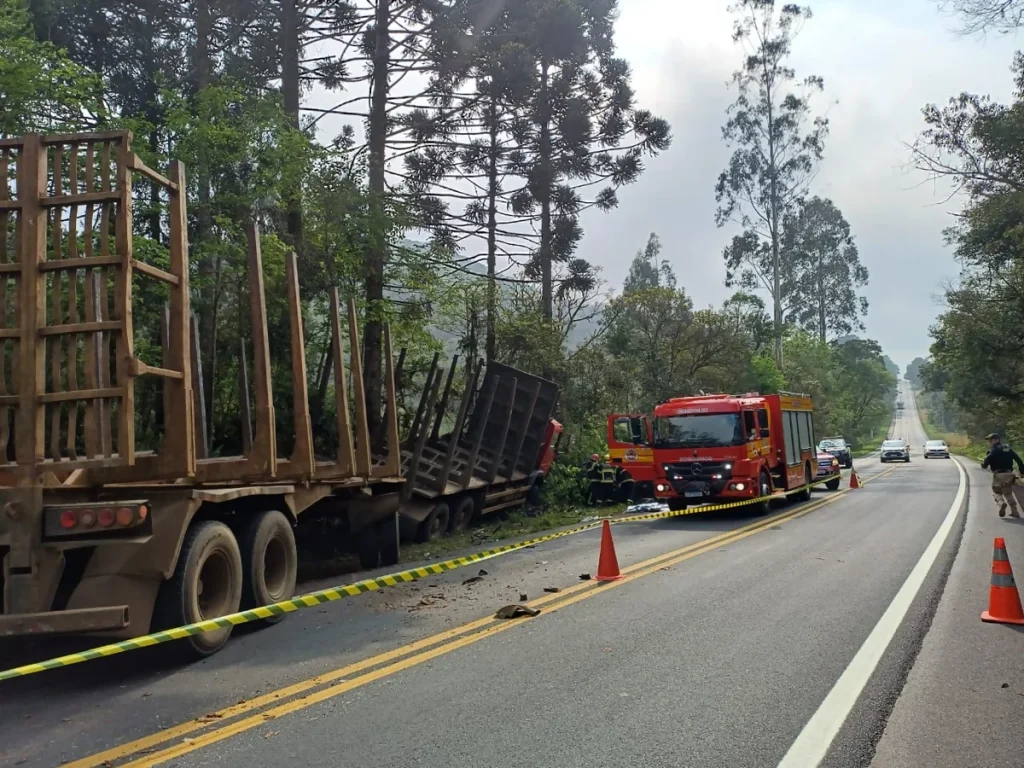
973, 380
440, 162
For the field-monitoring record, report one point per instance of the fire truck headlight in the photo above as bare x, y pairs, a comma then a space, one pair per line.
661, 488
740, 487
728, 466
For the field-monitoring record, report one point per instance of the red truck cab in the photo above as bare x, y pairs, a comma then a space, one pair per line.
629, 447
721, 448
549, 448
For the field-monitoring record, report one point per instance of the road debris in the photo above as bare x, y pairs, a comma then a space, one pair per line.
552, 589
516, 611
584, 577
473, 579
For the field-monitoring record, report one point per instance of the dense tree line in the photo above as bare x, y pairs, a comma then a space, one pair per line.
468, 139
973, 379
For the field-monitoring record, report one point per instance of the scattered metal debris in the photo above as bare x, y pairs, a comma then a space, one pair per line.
516, 611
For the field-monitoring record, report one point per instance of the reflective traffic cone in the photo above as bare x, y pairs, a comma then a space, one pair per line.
1003, 599
608, 565
854, 480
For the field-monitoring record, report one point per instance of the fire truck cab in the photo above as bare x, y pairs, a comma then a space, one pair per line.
629, 447
733, 447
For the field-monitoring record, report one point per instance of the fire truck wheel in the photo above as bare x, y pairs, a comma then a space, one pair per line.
765, 489
805, 493
270, 561
207, 583
436, 524
676, 505
463, 514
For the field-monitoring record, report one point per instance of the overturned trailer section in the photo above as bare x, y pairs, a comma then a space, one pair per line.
495, 455
96, 536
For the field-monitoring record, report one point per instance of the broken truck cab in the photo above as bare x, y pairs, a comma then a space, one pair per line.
732, 447
95, 534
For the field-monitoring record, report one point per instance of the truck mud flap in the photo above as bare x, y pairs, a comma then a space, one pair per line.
365, 510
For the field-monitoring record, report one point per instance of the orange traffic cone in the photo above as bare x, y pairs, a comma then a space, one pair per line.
608, 565
854, 480
1003, 599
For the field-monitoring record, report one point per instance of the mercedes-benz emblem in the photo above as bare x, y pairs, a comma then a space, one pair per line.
695, 469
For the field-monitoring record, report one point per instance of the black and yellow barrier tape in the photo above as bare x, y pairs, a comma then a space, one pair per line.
331, 594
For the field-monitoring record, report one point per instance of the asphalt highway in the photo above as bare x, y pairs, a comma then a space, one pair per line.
731, 641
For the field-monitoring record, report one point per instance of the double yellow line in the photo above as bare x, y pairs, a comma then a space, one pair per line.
255, 712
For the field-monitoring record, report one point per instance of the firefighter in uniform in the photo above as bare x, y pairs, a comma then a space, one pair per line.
1000, 459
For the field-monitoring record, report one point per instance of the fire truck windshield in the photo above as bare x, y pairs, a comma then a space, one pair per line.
705, 430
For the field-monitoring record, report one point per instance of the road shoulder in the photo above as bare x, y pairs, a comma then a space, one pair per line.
963, 702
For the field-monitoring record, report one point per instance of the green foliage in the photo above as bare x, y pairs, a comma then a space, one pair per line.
774, 153
41, 88
976, 356
822, 270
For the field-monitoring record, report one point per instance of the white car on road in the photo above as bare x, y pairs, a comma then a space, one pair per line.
895, 450
936, 448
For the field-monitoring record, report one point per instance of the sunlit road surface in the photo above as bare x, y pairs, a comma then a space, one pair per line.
732, 641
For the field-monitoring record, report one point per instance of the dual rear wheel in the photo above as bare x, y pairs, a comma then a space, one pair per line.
218, 574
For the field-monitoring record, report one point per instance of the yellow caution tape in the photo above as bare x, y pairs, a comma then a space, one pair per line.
331, 594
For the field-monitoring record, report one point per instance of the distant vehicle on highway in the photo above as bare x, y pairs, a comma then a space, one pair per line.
828, 466
936, 448
895, 450
838, 447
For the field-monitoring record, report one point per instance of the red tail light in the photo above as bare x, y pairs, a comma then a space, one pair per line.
86, 520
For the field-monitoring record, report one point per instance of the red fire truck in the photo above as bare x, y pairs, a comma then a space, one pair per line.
733, 447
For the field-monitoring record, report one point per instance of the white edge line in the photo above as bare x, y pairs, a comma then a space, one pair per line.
817, 736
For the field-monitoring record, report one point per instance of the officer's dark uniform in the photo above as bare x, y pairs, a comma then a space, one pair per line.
1000, 459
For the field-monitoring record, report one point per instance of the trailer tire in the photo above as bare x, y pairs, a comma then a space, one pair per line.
270, 561
535, 496
463, 514
368, 549
436, 524
209, 548
388, 534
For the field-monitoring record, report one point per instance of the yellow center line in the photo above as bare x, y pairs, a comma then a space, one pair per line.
407, 656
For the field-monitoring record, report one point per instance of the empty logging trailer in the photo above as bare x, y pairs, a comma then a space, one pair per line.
95, 535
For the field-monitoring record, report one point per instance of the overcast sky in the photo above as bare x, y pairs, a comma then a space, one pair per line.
882, 62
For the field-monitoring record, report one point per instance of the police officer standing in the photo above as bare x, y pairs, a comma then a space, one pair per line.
1000, 459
